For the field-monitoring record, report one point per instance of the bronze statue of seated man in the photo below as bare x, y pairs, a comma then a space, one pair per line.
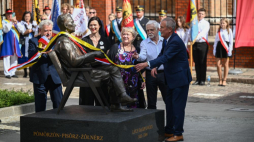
71, 56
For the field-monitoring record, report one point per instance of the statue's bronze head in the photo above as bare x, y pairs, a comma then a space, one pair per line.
66, 23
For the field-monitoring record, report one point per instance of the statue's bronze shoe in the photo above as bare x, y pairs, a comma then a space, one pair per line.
127, 99
119, 108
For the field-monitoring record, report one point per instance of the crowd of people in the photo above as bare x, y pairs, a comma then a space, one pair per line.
158, 49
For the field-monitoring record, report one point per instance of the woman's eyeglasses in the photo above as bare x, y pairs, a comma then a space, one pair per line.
92, 12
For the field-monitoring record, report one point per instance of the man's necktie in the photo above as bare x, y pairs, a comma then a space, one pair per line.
164, 45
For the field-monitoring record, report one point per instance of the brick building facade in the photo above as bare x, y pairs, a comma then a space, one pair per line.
215, 11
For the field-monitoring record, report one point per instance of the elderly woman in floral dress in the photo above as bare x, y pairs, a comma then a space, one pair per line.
121, 54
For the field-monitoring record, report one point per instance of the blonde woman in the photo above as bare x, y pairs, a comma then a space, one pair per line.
122, 54
222, 49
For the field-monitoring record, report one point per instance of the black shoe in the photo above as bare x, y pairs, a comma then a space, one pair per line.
127, 99
195, 83
202, 83
8, 76
15, 76
119, 108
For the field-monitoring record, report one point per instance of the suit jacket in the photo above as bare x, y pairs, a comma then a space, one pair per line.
39, 72
102, 30
112, 36
138, 39
175, 61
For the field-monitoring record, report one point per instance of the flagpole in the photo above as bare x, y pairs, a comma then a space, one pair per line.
191, 58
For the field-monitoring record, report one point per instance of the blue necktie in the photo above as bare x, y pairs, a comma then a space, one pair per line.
164, 45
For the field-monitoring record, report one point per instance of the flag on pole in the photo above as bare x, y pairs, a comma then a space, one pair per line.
55, 13
127, 14
192, 19
36, 12
244, 34
1, 31
80, 19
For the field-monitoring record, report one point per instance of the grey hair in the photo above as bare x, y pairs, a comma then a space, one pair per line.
154, 23
129, 29
170, 23
45, 22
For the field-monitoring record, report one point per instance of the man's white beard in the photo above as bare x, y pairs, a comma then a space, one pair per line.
151, 36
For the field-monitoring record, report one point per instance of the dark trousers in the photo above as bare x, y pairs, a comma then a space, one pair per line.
175, 108
152, 85
40, 94
200, 57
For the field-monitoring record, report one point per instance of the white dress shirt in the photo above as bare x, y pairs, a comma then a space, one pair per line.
227, 37
119, 20
203, 29
184, 35
148, 62
149, 50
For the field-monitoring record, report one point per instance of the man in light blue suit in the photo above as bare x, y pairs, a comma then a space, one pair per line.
177, 75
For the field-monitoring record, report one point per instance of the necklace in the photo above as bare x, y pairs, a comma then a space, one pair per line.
124, 53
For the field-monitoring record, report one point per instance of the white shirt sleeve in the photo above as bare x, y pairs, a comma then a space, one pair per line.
186, 37
6, 26
205, 31
143, 52
21, 28
215, 43
34, 24
231, 42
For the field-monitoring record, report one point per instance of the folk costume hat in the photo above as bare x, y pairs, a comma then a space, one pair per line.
139, 8
46, 8
162, 12
8, 11
119, 9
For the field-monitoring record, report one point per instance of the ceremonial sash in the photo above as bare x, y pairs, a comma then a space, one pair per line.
107, 30
33, 59
140, 30
14, 30
116, 30
205, 41
81, 42
224, 44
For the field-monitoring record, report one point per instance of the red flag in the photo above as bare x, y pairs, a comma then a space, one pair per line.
127, 14
244, 35
188, 16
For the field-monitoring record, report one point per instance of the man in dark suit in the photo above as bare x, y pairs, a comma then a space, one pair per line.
112, 35
143, 21
43, 74
177, 75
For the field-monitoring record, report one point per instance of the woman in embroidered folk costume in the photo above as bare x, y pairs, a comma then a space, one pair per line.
182, 29
27, 32
10, 50
86, 95
222, 49
122, 54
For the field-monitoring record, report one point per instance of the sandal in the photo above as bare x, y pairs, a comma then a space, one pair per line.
220, 83
224, 85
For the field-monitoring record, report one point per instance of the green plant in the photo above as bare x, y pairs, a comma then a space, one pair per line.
15, 97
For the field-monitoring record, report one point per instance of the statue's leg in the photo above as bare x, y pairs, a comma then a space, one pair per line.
116, 78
